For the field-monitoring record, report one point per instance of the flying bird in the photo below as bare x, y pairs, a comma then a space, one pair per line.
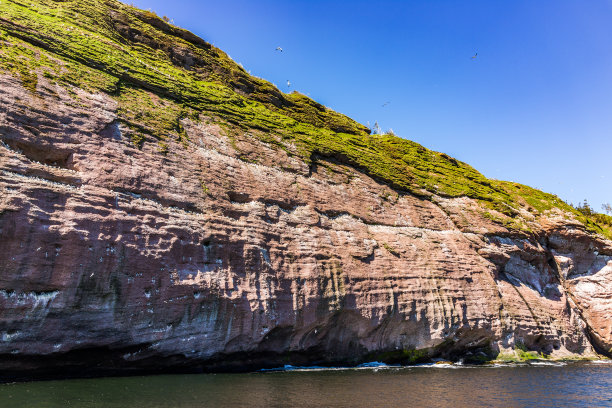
288, 83
279, 49
386, 103
474, 56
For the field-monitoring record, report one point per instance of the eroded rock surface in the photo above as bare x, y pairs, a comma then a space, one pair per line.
116, 257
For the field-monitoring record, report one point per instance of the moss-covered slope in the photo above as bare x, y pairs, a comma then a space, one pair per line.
160, 74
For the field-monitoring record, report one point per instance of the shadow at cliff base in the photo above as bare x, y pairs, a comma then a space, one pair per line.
109, 362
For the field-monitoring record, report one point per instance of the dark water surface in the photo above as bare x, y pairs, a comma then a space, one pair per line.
571, 385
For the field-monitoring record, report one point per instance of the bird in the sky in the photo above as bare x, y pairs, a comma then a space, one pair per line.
385, 104
288, 83
474, 56
279, 49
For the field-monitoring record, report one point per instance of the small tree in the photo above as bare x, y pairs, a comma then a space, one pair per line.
607, 208
377, 129
585, 208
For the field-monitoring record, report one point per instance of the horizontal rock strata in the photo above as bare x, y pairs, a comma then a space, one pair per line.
225, 253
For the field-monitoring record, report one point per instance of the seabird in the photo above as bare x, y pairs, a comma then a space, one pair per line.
386, 103
288, 83
279, 49
474, 56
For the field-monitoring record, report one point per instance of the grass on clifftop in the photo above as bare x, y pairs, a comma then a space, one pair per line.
160, 74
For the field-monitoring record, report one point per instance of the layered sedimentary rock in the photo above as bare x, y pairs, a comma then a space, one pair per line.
218, 250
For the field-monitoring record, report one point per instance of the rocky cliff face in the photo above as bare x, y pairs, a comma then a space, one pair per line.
126, 244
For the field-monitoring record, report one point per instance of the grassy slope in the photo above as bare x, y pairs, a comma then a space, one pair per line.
160, 74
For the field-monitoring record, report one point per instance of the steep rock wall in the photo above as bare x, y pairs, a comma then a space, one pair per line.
225, 252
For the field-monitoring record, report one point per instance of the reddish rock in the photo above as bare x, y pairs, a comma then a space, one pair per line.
119, 258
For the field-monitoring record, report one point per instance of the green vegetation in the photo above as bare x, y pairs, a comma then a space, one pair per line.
205, 188
138, 139
390, 249
163, 147
525, 354
535, 201
29, 80
508, 358
145, 112
162, 75
404, 357
521, 354
594, 221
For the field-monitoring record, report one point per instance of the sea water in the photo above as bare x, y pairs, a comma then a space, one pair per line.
540, 384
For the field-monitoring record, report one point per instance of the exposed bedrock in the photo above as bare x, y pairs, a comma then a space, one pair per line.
117, 257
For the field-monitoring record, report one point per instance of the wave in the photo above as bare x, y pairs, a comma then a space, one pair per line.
441, 364
377, 365
547, 363
373, 365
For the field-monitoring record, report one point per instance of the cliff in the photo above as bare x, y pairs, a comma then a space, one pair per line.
161, 209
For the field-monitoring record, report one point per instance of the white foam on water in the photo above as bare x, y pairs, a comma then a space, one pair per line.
374, 365
548, 363
377, 365
441, 365
506, 365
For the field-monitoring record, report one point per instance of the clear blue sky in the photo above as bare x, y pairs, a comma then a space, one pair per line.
534, 107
